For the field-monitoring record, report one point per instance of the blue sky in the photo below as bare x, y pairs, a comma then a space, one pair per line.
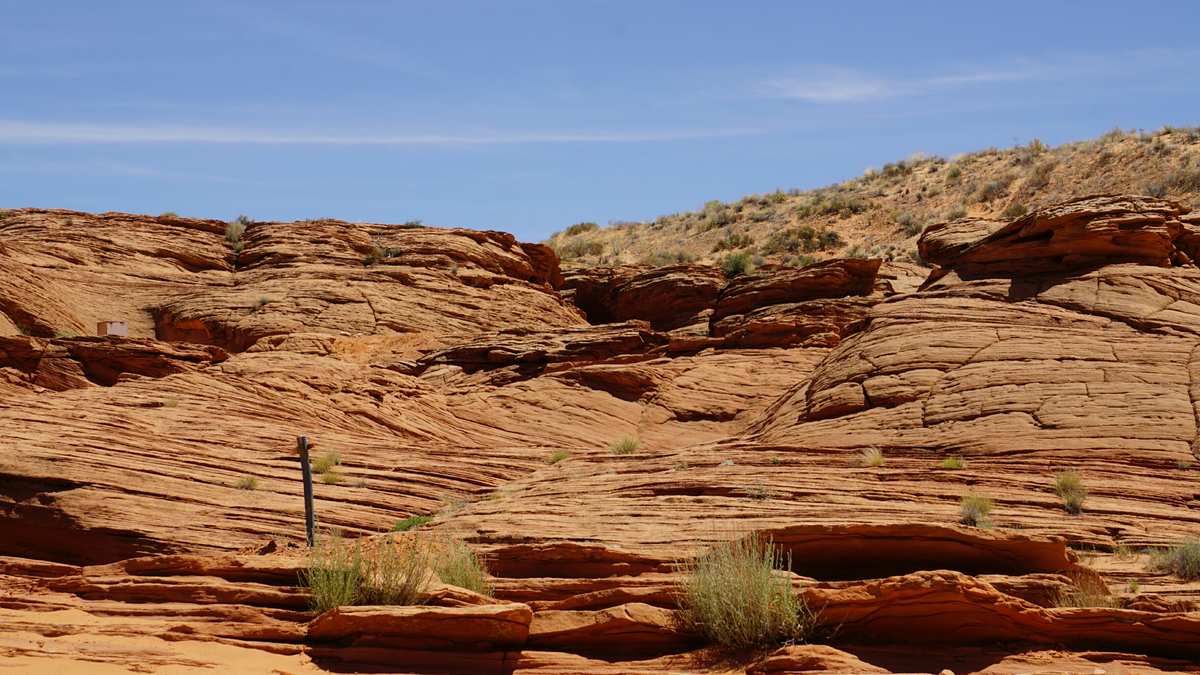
530, 116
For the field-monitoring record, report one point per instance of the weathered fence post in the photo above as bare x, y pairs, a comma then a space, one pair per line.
306, 471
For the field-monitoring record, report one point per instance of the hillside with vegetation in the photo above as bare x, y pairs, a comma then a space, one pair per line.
881, 213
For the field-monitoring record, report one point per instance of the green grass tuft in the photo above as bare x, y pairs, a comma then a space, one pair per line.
410, 522
247, 483
558, 456
953, 463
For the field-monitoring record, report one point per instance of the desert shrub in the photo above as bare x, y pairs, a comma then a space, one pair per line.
386, 573
953, 463
1039, 176
909, 223
326, 462
410, 522
956, 213
732, 241
261, 302
735, 264
736, 597
168, 214
1013, 211
664, 258
331, 477
801, 239
247, 483
394, 573
994, 189
896, 169
975, 511
953, 174
558, 456
624, 445
578, 248
580, 228
1155, 189
1069, 486
872, 457
1184, 179
455, 563
1183, 560
235, 228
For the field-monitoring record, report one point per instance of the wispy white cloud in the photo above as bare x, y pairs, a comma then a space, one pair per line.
832, 84
18, 131
844, 85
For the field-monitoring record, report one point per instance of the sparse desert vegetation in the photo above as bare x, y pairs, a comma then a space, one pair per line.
624, 445
1182, 560
975, 510
739, 595
1069, 486
880, 213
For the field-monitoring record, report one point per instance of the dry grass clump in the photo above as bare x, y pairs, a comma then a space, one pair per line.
247, 483
624, 445
1069, 486
1088, 593
455, 563
557, 456
1183, 560
389, 571
975, 511
326, 462
872, 457
735, 596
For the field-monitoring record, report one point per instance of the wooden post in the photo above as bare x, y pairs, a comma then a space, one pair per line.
306, 471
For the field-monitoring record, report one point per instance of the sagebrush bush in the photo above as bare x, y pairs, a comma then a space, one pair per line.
738, 595
1183, 560
735, 264
1014, 211
1069, 486
580, 228
975, 511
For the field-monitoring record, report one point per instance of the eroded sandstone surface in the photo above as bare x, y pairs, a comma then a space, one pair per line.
465, 376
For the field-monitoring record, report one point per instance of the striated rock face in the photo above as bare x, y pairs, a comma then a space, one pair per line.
459, 375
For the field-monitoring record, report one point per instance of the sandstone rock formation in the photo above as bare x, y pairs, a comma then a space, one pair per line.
462, 376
